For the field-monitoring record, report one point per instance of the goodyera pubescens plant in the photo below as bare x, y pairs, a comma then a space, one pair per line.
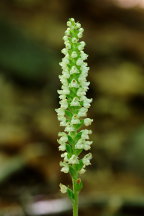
73, 111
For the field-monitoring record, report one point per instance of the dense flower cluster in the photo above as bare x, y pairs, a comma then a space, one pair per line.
73, 102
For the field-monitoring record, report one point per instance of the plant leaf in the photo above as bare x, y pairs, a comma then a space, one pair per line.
79, 185
69, 149
73, 172
70, 194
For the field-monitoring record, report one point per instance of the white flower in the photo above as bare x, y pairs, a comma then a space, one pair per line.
65, 60
64, 76
74, 84
62, 97
81, 92
82, 79
86, 102
65, 38
83, 55
65, 156
73, 160
80, 144
82, 112
75, 102
62, 147
87, 145
81, 46
75, 120
63, 139
62, 122
78, 25
74, 70
81, 30
65, 167
79, 62
80, 34
64, 104
68, 45
69, 23
88, 121
84, 69
83, 144
63, 80
65, 91
69, 128
86, 159
82, 171
63, 188
64, 51
67, 32
74, 54
74, 40
85, 134
60, 111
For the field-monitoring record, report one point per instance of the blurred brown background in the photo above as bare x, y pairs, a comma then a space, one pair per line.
31, 34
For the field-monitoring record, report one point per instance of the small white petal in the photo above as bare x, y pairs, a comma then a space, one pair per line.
82, 112
85, 134
74, 70
74, 54
67, 32
87, 145
75, 102
65, 38
88, 121
63, 188
82, 171
74, 84
62, 147
64, 104
86, 102
81, 46
79, 62
80, 35
78, 25
81, 30
86, 159
81, 92
73, 160
79, 144
69, 23
83, 56
65, 167
75, 120
69, 128
74, 40
72, 19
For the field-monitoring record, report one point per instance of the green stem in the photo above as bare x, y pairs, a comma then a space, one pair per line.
75, 202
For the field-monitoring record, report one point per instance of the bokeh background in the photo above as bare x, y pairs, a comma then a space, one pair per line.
31, 34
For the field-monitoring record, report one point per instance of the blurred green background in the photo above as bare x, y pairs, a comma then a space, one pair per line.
31, 34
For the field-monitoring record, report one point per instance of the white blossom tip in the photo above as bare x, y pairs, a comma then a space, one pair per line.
63, 188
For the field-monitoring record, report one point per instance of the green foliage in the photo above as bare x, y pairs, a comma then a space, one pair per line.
70, 194
22, 57
73, 172
69, 149
79, 166
78, 185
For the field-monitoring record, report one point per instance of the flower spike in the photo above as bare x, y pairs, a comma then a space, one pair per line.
73, 110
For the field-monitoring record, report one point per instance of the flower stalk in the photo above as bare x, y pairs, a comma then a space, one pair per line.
72, 113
